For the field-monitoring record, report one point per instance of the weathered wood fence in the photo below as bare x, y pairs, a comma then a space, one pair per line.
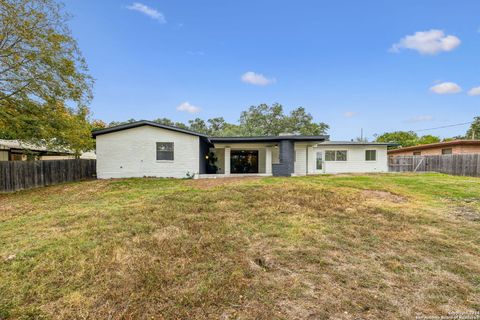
456, 164
18, 175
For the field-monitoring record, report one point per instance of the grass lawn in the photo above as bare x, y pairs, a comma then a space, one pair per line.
326, 247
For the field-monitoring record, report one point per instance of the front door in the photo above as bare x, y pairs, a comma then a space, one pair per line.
319, 162
244, 161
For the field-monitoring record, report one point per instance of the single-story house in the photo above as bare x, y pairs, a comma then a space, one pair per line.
147, 148
15, 150
448, 147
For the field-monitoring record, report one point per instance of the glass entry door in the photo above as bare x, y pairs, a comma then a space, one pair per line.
319, 161
244, 161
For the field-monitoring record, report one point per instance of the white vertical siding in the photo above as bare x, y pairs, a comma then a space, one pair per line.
300, 159
132, 153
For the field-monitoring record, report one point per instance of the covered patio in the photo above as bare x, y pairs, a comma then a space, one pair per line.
241, 160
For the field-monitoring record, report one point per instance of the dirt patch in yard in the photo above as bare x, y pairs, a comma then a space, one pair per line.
383, 195
215, 182
467, 213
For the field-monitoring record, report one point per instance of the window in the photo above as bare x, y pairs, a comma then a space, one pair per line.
319, 161
165, 151
339, 155
329, 155
370, 155
447, 151
417, 153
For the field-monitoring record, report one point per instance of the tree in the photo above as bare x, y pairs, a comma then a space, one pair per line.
198, 125
426, 139
256, 121
168, 122
97, 125
263, 120
271, 120
216, 125
44, 83
402, 138
301, 121
406, 138
474, 130
119, 123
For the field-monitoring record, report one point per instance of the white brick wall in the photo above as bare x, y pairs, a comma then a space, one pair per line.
132, 153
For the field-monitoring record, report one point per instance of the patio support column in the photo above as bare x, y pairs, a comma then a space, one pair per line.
227, 161
268, 160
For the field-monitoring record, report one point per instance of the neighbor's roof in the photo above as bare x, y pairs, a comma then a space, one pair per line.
355, 143
20, 145
144, 123
437, 145
268, 138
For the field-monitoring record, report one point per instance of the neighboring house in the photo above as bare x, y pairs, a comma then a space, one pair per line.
147, 148
449, 147
14, 150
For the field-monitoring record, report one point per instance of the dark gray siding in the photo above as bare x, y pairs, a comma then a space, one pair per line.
204, 148
287, 159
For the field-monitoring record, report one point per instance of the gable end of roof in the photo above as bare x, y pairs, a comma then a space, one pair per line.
145, 123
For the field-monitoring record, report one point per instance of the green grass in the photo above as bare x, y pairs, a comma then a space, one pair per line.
341, 247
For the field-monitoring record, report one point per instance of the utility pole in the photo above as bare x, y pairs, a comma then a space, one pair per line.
361, 134
474, 127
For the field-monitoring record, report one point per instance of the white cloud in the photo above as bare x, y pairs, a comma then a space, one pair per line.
349, 114
446, 88
195, 53
421, 118
187, 107
146, 10
474, 91
427, 42
257, 79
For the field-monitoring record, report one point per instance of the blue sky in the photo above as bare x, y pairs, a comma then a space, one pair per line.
376, 65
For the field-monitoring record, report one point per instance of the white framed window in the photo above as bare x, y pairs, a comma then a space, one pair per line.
165, 151
370, 155
336, 155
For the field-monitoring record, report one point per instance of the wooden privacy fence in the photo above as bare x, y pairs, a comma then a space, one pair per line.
455, 164
18, 175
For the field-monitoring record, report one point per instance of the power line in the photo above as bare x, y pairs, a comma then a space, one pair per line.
447, 126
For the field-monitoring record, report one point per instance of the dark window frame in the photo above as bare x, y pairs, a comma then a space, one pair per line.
369, 152
450, 151
165, 155
336, 157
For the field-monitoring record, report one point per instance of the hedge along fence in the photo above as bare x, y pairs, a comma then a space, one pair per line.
18, 175
455, 164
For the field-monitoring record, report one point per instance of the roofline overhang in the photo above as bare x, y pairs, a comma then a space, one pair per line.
267, 139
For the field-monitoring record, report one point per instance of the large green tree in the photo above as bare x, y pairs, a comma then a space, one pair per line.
45, 87
474, 130
258, 120
406, 138
271, 120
